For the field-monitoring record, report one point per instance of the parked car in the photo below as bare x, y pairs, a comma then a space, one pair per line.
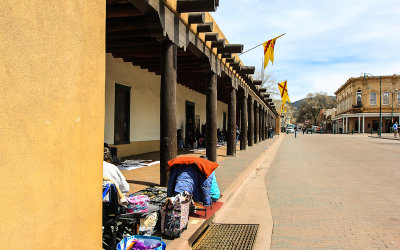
290, 128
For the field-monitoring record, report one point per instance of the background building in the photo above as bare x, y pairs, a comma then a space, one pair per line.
358, 104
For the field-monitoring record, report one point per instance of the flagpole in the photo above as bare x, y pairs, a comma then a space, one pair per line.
259, 45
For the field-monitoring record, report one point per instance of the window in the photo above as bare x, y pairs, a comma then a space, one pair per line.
386, 98
372, 98
358, 98
398, 98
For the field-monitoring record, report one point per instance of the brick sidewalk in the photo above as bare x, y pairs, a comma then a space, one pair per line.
335, 192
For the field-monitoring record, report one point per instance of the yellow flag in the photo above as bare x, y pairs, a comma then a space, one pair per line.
283, 108
269, 51
284, 92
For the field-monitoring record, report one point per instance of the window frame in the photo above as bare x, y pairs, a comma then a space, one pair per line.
388, 98
398, 98
370, 98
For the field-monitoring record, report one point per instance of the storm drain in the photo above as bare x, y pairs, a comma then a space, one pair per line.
227, 236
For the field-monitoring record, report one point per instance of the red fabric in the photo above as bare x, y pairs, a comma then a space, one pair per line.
205, 166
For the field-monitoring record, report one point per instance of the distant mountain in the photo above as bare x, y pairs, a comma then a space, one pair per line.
298, 103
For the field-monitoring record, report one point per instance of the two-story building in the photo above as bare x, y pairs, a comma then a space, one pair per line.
359, 104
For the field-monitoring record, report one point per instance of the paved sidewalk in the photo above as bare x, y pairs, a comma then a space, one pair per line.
231, 174
335, 192
248, 203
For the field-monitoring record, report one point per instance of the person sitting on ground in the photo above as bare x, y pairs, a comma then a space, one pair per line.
113, 174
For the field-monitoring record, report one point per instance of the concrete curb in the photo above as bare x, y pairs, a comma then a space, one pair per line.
196, 226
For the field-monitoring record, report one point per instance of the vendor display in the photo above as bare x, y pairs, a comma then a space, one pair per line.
139, 242
193, 175
175, 214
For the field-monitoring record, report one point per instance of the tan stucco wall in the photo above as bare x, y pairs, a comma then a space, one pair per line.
52, 121
145, 106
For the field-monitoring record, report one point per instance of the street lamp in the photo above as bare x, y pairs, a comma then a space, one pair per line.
380, 100
394, 91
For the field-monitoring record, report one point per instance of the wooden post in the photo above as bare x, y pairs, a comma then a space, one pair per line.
265, 124
256, 125
251, 122
231, 137
211, 117
243, 125
262, 124
168, 142
259, 124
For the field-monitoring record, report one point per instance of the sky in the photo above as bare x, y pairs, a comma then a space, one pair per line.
326, 42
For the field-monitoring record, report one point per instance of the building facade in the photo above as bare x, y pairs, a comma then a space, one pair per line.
359, 104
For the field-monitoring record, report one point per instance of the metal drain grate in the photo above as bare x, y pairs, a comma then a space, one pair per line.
227, 236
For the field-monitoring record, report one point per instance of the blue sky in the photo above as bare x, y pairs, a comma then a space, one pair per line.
326, 41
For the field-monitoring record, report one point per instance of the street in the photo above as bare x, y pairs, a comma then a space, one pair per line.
335, 192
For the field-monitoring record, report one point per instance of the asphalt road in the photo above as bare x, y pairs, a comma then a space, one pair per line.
335, 192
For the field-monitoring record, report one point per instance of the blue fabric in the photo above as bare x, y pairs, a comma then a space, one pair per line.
214, 192
190, 179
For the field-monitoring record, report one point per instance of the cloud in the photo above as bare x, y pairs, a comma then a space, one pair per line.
326, 43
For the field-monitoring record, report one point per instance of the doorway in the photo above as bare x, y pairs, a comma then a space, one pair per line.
190, 122
122, 114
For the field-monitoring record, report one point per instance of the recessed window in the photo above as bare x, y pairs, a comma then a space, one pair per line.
398, 98
386, 98
358, 98
372, 98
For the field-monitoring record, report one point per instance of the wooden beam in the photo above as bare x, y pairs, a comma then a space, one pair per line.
231, 48
196, 18
262, 90
227, 55
197, 5
218, 44
211, 37
257, 82
156, 33
248, 70
230, 60
110, 43
205, 27
130, 23
122, 10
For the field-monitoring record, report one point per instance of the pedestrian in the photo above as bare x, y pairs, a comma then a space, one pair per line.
395, 129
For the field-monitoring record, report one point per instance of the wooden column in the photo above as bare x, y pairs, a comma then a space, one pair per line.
250, 137
256, 125
168, 143
231, 135
262, 124
259, 124
211, 117
243, 124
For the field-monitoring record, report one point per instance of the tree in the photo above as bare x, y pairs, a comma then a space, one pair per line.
312, 105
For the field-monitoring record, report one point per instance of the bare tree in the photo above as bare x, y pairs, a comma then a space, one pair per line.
312, 105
